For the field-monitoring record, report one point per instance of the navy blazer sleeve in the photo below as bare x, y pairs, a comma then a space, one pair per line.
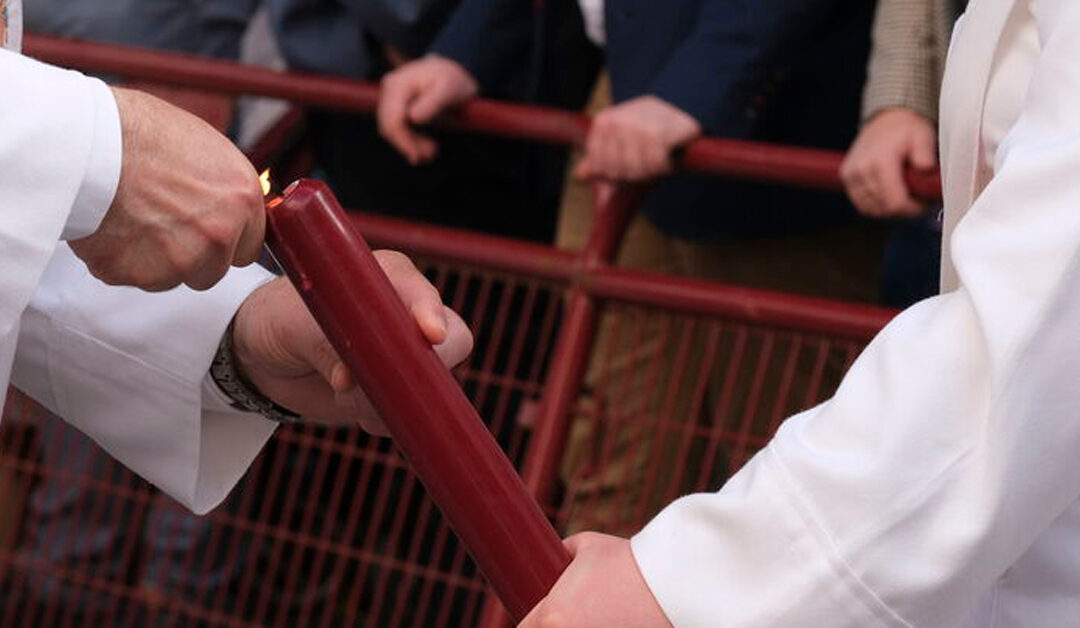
324, 36
221, 26
407, 25
714, 74
488, 37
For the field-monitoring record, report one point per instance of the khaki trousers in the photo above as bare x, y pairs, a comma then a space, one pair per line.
644, 431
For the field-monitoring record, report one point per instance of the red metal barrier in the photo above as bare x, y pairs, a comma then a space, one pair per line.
748, 160
750, 340
691, 296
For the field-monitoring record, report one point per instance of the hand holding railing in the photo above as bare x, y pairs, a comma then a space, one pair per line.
805, 167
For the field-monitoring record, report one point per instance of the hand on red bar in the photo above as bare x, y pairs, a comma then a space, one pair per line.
635, 140
601, 588
285, 355
415, 94
187, 207
873, 170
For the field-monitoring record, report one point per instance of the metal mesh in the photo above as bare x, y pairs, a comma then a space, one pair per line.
330, 529
674, 404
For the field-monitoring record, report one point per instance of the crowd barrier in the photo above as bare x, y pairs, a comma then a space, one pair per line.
329, 527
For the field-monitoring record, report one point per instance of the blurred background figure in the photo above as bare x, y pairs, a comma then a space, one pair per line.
787, 71
489, 184
208, 27
900, 111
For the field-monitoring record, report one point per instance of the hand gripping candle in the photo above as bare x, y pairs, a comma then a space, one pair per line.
431, 421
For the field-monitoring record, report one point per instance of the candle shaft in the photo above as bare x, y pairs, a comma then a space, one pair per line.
429, 417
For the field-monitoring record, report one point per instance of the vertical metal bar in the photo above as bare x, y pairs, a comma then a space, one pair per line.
567, 370
613, 208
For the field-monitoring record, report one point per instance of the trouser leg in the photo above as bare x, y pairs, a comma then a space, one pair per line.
672, 404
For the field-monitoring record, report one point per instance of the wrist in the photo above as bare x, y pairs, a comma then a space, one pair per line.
680, 128
227, 372
468, 87
243, 334
898, 112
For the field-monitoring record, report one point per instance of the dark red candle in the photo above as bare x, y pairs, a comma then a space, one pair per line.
432, 422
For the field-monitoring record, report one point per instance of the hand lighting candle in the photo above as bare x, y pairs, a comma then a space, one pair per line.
433, 424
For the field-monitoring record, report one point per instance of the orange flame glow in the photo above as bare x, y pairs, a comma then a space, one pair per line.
264, 181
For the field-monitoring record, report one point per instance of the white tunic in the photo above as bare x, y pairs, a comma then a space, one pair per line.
592, 13
126, 367
940, 486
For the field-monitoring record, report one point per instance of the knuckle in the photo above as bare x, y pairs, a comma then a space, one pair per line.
147, 280
181, 266
552, 618
652, 135
105, 269
393, 260
603, 122
855, 173
205, 281
586, 539
162, 285
392, 80
249, 195
217, 233
107, 276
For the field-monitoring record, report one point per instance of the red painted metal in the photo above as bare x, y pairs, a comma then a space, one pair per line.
806, 167
614, 207
775, 309
728, 158
432, 422
468, 247
602, 281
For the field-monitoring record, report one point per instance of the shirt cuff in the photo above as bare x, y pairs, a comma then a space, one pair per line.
213, 398
102, 168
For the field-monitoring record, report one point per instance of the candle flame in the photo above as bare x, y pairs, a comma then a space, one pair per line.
264, 181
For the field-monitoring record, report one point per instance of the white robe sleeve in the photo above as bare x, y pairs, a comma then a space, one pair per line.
60, 159
129, 369
952, 444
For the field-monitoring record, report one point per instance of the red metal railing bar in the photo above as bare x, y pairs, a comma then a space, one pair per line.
611, 216
750, 160
568, 363
474, 249
808, 314
847, 320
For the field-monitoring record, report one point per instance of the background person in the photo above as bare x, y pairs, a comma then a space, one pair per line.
900, 113
494, 185
785, 71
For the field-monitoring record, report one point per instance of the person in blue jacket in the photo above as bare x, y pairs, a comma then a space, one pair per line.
785, 71
475, 182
